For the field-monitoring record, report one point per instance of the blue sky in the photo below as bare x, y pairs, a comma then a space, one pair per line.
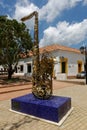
60, 22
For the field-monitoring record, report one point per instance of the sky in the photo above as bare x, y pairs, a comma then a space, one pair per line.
61, 22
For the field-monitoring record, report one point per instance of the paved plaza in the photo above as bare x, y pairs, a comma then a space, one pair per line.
77, 120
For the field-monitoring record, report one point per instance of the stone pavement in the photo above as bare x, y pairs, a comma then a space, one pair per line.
15, 90
77, 120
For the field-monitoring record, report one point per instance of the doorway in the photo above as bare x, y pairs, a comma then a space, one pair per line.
63, 69
79, 66
64, 62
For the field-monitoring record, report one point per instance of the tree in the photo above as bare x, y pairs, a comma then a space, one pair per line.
14, 40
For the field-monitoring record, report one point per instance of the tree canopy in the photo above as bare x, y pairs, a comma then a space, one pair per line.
14, 40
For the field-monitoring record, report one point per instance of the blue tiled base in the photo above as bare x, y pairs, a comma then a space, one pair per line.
52, 109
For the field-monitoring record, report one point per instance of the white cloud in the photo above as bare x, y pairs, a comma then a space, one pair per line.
85, 2
65, 33
24, 8
54, 8
48, 12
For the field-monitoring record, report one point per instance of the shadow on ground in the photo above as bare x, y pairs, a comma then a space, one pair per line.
18, 124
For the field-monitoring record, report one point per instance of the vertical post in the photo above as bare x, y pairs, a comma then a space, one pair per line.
84, 51
86, 62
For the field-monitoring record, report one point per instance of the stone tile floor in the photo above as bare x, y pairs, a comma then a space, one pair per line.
77, 120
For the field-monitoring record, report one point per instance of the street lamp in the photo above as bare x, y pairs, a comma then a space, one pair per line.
84, 51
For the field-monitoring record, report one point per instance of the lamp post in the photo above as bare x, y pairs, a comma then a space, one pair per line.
83, 50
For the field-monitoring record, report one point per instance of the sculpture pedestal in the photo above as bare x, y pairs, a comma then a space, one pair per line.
53, 109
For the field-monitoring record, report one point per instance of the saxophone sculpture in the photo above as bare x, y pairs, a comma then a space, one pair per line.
42, 66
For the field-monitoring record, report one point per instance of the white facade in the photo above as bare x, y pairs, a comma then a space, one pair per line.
67, 63
24, 67
73, 60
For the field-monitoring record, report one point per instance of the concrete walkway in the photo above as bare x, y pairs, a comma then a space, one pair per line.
76, 121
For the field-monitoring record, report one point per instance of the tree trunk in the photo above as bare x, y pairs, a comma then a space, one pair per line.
10, 72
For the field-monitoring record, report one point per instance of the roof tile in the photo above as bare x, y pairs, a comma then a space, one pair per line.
56, 47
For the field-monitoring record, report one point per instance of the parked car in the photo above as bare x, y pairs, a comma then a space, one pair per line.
81, 74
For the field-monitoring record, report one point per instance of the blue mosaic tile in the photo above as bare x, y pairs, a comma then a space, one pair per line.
52, 109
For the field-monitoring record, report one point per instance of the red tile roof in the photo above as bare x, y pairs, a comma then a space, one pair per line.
52, 48
56, 47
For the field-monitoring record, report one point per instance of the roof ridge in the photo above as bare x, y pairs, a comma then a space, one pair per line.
54, 47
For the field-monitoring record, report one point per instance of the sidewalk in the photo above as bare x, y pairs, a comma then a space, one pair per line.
76, 121
15, 90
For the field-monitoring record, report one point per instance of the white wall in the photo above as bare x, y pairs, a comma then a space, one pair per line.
72, 57
23, 62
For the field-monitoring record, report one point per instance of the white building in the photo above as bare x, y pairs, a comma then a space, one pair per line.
68, 61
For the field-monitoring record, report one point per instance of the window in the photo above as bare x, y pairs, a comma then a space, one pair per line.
29, 68
21, 68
